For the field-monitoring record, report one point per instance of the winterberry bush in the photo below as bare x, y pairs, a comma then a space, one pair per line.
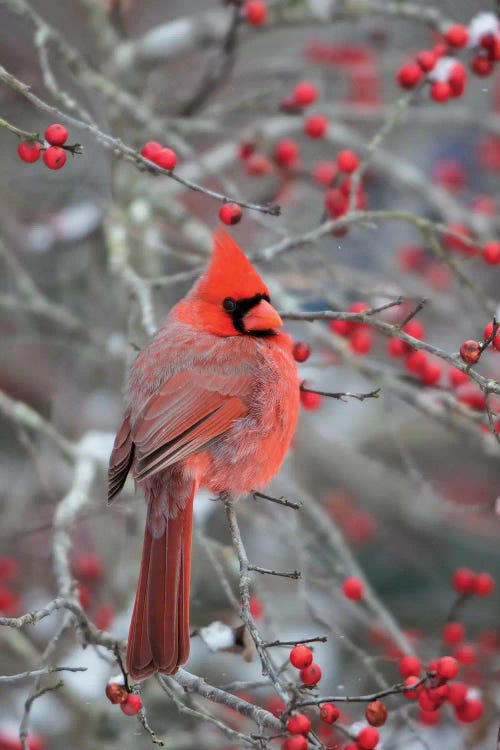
353, 149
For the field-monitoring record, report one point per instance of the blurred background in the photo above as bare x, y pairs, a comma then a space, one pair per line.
93, 256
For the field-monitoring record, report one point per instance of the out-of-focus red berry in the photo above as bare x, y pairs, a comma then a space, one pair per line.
353, 588
410, 666
286, 152
409, 75
347, 161
255, 12
310, 401
471, 710
316, 126
463, 580
457, 35
324, 173
484, 584
367, 738
305, 93
447, 668
453, 633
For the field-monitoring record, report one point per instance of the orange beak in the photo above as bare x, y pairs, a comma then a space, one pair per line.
262, 317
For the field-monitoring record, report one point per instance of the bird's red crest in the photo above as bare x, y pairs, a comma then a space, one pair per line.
230, 273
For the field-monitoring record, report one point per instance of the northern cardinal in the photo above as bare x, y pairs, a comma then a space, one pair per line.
212, 401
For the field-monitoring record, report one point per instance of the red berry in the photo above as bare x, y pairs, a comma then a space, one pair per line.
376, 714
484, 584
457, 377
29, 151
411, 258
481, 65
457, 693
409, 75
429, 718
416, 361
104, 616
329, 713
304, 94
56, 134
463, 580
301, 351
471, 710
397, 348
415, 328
258, 165
488, 330
353, 588
431, 374
470, 351
255, 12
301, 656
90, 567
316, 126
447, 668
340, 327
245, 149
426, 59
54, 157
84, 595
466, 655
409, 684
457, 35
453, 633
165, 158
230, 213
286, 152
298, 724
324, 172
361, 341
131, 705
310, 401
347, 161
295, 743
427, 702
116, 693
409, 666
491, 253
310, 675
450, 174
336, 202
440, 91
457, 79
256, 608
150, 149
368, 738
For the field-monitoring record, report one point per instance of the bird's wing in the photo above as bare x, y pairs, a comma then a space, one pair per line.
184, 416
120, 460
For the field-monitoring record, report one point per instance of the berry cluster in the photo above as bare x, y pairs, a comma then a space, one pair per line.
89, 571
439, 688
117, 693
163, 157
54, 152
444, 72
359, 335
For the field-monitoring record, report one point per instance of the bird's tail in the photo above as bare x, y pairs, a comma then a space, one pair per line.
158, 638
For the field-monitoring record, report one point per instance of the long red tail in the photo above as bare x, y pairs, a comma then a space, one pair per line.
158, 638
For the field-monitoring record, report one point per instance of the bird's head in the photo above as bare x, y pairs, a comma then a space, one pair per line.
230, 299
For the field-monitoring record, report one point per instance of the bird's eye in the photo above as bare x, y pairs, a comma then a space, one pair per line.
229, 304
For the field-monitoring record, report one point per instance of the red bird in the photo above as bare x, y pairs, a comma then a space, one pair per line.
212, 401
